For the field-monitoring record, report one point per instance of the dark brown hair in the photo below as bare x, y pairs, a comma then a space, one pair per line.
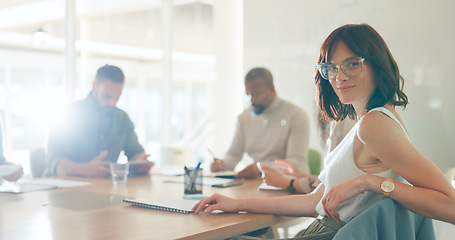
113, 73
364, 41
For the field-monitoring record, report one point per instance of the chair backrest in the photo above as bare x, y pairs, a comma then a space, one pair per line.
314, 161
38, 162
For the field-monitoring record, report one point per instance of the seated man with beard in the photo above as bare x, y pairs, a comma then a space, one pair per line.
94, 132
270, 129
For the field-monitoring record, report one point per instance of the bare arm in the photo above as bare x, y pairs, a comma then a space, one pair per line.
430, 194
295, 205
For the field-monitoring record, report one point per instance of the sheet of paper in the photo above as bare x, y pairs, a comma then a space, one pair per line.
222, 173
208, 181
172, 172
14, 187
39, 184
265, 186
6, 170
60, 183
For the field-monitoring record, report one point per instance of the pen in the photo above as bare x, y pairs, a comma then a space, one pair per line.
198, 165
186, 171
213, 156
193, 177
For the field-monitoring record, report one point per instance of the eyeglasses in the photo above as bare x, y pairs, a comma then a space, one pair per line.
350, 68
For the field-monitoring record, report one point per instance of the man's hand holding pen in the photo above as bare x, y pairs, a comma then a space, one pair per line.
217, 165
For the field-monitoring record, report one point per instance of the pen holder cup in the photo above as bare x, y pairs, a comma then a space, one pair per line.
193, 181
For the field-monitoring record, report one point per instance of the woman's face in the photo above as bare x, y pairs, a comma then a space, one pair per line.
355, 90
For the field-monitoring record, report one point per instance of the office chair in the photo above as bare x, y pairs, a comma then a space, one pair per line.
314, 161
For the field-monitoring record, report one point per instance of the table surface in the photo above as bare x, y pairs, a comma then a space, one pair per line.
96, 211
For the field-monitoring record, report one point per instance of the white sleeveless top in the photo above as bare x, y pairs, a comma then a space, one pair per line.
339, 166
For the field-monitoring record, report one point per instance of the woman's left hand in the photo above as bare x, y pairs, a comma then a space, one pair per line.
340, 193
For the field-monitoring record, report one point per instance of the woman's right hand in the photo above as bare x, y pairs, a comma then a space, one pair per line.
216, 202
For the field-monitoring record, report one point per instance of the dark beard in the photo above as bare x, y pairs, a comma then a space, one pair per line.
257, 108
105, 110
101, 109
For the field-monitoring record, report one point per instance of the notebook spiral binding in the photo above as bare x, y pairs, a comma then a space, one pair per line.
156, 207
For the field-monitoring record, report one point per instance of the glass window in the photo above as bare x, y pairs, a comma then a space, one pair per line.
33, 80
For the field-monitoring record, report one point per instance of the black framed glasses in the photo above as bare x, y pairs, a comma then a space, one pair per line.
351, 68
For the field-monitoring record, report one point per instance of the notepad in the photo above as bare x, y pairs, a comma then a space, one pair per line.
170, 205
222, 174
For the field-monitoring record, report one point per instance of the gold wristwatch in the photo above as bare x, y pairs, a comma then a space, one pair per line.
387, 187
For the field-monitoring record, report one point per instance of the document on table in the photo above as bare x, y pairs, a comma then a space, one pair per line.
265, 186
38, 184
222, 174
180, 172
208, 181
59, 183
172, 172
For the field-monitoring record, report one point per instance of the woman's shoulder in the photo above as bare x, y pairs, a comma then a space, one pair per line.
375, 125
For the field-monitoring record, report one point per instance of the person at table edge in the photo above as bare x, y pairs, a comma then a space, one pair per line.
94, 131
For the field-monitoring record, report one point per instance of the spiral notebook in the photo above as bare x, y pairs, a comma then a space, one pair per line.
170, 205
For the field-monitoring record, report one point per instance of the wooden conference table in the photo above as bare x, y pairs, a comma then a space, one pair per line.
96, 211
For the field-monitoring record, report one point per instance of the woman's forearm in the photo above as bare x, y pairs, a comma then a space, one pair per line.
423, 201
286, 206
294, 205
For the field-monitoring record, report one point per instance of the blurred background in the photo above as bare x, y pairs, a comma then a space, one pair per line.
185, 60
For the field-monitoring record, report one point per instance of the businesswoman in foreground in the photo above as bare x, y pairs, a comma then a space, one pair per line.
357, 77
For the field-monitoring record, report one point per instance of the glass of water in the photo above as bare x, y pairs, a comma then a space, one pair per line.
119, 172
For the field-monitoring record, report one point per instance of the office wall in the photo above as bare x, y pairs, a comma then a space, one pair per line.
285, 36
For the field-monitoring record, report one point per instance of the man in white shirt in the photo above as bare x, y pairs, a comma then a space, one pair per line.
270, 129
